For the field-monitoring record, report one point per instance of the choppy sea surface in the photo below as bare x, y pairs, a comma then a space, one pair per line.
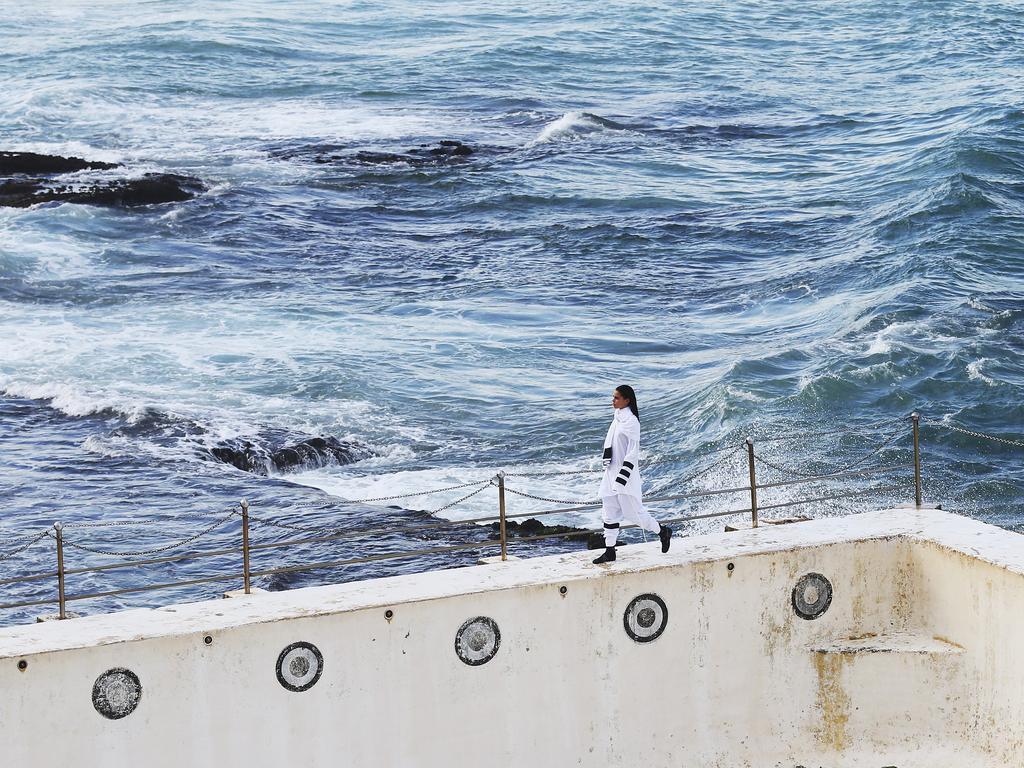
770, 219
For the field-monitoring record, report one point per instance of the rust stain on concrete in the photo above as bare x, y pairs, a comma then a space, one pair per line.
946, 640
832, 699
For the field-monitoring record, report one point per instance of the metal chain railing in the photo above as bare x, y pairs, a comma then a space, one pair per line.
475, 487
28, 542
415, 494
327, 531
567, 473
837, 470
590, 502
139, 522
972, 433
733, 450
155, 550
467, 497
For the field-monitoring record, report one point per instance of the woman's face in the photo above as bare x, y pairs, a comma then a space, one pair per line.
618, 401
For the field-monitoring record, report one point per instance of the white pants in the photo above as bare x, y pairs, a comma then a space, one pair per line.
615, 508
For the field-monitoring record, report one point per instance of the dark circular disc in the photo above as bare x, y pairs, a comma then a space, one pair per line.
812, 596
645, 618
116, 693
299, 666
477, 641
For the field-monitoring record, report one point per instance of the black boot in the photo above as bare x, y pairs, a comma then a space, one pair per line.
607, 557
665, 534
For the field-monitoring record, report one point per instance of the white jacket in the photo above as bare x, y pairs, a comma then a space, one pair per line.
622, 446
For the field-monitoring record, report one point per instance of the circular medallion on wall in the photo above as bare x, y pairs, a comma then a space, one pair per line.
116, 693
477, 641
646, 618
812, 596
299, 666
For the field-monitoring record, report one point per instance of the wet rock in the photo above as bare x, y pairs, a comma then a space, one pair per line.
32, 179
312, 453
534, 527
151, 189
319, 452
444, 151
30, 163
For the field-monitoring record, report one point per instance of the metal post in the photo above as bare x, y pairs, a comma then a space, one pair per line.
915, 419
753, 483
245, 545
501, 516
59, 531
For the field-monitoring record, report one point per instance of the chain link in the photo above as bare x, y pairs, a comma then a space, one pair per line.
413, 495
139, 523
689, 479
714, 465
834, 471
982, 435
156, 550
554, 474
655, 463
30, 541
335, 529
487, 484
551, 501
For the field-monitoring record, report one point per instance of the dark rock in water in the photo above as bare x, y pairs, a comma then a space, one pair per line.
245, 456
425, 153
34, 164
371, 158
312, 453
319, 452
448, 148
445, 151
534, 527
32, 179
151, 189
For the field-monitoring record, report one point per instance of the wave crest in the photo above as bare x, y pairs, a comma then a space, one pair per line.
573, 124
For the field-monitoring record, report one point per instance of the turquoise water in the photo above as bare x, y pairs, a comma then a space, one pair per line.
767, 218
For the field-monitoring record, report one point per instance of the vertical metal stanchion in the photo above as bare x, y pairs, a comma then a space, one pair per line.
245, 545
915, 419
753, 483
501, 515
58, 529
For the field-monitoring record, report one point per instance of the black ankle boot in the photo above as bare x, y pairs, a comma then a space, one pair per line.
665, 534
607, 557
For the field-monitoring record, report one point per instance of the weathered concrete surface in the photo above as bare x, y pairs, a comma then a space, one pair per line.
911, 665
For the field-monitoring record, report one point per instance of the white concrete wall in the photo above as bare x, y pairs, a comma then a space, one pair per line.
980, 606
909, 665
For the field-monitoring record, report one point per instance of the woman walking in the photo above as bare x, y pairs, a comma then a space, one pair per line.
620, 492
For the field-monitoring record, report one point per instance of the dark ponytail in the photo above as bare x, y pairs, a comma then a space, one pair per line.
627, 392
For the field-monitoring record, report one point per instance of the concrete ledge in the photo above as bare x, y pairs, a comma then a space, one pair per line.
891, 642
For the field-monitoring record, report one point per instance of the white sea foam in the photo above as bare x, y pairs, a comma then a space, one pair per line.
570, 124
72, 400
975, 373
190, 128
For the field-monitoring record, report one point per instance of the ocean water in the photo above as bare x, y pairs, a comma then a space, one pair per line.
769, 218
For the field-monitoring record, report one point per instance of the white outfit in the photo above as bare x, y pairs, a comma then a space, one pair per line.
620, 492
